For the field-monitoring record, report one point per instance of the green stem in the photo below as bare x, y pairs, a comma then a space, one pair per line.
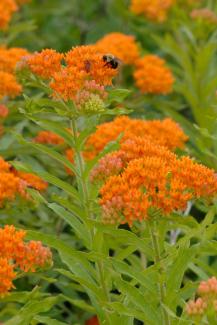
85, 199
157, 260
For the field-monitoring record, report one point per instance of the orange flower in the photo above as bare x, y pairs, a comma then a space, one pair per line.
35, 256
7, 275
9, 187
208, 289
7, 8
120, 45
10, 57
13, 182
67, 82
166, 133
132, 148
15, 253
4, 166
11, 242
152, 76
159, 180
3, 111
48, 137
92, 321
196, 308
45, 63
89, 60
8, 85
154, 10
31, 180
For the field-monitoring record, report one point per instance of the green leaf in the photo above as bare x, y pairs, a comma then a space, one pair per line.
48, 321
137, 299
48, 178
118, 95
79, 228
25, 315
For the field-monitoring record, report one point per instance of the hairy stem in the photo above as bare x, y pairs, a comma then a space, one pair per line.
157, 260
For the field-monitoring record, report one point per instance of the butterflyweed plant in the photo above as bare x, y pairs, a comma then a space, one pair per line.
125, 193
113, 194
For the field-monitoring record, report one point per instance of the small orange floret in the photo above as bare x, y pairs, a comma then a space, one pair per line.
120, 45
48, 137
7, 8
45, 63
154, 10
8, 85
7, 275
152, 76
88, 59
10, 57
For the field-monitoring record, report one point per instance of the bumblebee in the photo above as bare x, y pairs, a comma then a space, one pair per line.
111, 61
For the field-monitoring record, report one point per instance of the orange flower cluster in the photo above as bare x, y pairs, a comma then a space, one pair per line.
120, 45
10, 57
14, 183
166, 133
7, 9
48, 137
152, 76
154, 10
15, 254
132, 148
196, 307
206, 303
82, 63
8, 85
157, 180
45, 63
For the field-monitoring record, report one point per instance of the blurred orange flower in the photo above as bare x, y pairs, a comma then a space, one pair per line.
8, 85
154, 10
120, 45
152, 76
10, 57
48, 137
7, 275
7, 8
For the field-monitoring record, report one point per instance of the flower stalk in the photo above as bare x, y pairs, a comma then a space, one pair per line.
157, 260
